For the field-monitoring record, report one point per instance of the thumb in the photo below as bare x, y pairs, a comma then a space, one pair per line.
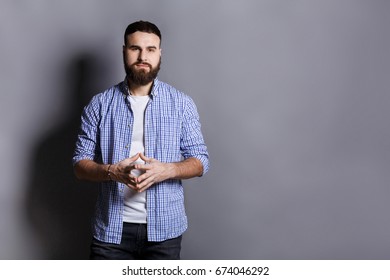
144, 158
134, 158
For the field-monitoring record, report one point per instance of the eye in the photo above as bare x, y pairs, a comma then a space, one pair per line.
133, 48
151, 50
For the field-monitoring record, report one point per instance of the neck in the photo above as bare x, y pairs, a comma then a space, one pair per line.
139, 90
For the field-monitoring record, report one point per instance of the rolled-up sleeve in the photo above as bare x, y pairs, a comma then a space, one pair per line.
192, 141
87, 144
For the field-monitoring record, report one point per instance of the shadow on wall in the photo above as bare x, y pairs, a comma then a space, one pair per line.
58, 206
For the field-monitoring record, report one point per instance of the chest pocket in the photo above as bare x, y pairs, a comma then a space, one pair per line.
168, 134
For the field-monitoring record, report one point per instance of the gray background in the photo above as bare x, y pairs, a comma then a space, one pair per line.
293, 97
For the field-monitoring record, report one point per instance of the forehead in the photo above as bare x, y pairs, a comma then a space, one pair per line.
143, 39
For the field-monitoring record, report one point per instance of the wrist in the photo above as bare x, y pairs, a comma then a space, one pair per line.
173, 170
109, 172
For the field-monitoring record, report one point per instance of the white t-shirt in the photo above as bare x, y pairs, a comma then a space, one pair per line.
134, 202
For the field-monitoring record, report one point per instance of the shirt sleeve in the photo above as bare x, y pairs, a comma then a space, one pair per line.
87, 140
192, 142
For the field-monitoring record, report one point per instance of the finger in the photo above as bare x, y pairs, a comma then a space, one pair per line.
127, 179
132, 187
128, 161
131, 181
141, 178
145, 184
145, 158
143, 167
144, 188
129, 168
134, 158
132, 178
146, 175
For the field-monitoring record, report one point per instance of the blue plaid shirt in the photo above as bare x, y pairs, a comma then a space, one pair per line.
172, 132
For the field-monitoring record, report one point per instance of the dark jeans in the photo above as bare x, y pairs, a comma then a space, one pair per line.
135, 246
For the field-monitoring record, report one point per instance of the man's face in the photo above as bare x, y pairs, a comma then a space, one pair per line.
142, 57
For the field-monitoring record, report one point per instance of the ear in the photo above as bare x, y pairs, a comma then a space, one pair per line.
124, 51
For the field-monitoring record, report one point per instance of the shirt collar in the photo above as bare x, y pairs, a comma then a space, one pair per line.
153, 92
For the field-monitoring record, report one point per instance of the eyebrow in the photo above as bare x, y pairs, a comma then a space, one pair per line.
138, 47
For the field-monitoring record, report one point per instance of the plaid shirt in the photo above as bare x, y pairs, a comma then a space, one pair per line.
172, 132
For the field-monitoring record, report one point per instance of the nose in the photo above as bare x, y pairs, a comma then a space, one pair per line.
141, 56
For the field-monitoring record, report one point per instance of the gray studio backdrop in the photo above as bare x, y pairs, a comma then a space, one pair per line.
294, 101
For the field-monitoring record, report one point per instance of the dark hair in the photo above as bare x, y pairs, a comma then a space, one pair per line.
142, 26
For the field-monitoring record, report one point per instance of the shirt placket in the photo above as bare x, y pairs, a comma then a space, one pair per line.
149, 135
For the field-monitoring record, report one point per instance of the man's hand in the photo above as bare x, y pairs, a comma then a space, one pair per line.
123, 172
153, 171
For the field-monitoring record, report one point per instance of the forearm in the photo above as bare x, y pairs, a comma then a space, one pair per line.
91, 171
186, 169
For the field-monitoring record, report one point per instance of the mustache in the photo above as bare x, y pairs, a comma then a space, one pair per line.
142, 63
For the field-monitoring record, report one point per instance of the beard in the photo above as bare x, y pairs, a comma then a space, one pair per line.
141, 77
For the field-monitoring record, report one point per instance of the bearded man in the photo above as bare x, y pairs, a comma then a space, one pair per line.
138, 140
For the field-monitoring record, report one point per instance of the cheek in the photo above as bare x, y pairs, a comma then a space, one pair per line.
156, 60
128, 58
